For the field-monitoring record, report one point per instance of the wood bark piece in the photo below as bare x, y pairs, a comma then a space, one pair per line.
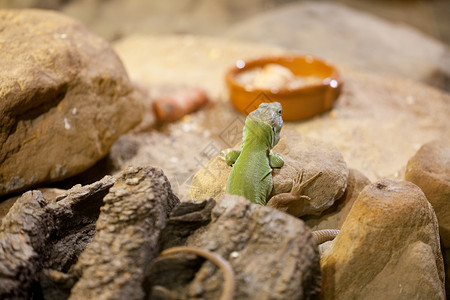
184, 220
48, 234
127, 233
23, 235
273, 256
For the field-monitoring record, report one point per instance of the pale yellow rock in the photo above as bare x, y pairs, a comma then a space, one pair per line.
210, 180
388, 247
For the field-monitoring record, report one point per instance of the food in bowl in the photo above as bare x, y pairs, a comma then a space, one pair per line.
275, 76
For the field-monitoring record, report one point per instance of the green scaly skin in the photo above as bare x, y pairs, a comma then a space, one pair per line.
251, 175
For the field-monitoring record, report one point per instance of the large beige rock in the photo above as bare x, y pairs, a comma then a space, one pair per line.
299, 153
429, 169
350, 37
65, 97
388, 247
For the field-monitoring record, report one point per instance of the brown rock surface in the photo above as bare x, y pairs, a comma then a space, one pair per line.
388, 247
335, 216
429, 169
65, 98
126, 239
299, 153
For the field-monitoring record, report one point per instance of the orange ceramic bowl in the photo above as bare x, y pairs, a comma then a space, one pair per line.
298, 103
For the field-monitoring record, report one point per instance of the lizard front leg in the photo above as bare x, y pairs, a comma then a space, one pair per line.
275, 161
232, 156
293, 202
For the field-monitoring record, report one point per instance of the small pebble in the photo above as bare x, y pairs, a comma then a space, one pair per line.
132, 181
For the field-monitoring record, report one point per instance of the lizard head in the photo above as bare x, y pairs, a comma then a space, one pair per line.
270, 114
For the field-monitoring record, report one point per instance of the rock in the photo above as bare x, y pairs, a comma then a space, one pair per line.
334, 217
388, 247
23, 239
65, 98
312, 155
127, 232
350, 37
429, 169
210, 181
273, 255
299, 153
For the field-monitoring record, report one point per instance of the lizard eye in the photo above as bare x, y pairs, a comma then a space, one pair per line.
279, 111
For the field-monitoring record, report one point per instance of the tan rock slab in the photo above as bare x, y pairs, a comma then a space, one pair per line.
378, 122
388, 247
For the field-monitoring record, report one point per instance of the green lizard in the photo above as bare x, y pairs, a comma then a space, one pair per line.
251, 175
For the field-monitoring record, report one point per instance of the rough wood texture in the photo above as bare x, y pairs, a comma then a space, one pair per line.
273, 255
23, 235
48, 235
127, 233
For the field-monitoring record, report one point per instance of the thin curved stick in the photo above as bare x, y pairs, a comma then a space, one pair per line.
219, 261
325, 235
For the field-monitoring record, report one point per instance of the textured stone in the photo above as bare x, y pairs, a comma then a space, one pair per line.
334, 217
388, 247
65, 98
127, 232
299, 153
273, 255
429, 169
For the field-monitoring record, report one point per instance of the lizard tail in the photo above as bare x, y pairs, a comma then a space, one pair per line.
325, 235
